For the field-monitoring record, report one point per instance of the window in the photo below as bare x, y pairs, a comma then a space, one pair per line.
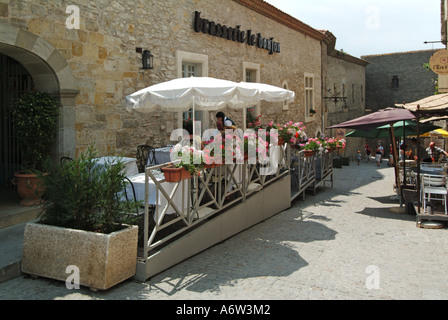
189, 70
362, 94
395, 82
309, 95
188, 65
353, 93
251, 73
251, 76
285, 103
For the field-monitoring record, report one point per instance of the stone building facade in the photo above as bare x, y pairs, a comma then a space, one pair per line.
94, 67
344, 92
397, 78
88, 53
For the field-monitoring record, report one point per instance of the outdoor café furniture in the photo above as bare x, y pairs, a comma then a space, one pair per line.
145, 156
429, 168
130, 164
434, 185
162, 155
138, 184
408, 168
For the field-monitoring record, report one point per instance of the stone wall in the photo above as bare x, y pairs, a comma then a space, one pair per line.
106, 67
415, 81
344, 78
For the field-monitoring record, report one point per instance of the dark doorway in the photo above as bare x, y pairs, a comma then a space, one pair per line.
15, 81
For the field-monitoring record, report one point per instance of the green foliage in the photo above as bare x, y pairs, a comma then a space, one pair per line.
434, 81
82, 194
35, 126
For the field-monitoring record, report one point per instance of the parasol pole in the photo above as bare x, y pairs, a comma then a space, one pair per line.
418, 160
194, 125
397, 176
404, 154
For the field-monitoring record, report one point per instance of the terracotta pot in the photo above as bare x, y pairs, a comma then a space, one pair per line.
308, 153
212, 165
173, 174
281, 142
29, 187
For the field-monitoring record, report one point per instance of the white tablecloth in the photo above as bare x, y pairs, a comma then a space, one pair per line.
138, 182
162, 155
130, 164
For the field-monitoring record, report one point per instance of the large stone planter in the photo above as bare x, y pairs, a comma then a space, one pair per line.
103, 260
337, 163
345, 161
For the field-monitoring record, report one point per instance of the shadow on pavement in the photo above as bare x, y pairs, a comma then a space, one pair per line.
259, 252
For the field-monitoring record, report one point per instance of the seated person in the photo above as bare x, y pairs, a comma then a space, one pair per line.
410, 155
219, 129
435, 153
228, 123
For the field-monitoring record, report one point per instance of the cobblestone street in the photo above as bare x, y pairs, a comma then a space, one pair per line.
342, 243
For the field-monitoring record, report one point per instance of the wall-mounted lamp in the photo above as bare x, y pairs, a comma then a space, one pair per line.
147, 58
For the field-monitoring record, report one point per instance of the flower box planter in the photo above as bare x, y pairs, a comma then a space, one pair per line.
281, 142
308, 153
173, 174
103, 260
213, 165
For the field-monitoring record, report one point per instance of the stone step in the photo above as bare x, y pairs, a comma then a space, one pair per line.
11, 243
17, 216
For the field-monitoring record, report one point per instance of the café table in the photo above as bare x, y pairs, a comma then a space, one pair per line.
162, 155
130, 164
432, 169
138, 181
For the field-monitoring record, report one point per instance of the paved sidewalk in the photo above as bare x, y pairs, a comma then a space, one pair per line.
343, 243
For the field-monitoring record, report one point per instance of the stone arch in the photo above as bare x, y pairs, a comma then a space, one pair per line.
51, 73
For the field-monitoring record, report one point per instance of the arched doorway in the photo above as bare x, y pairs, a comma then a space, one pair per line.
34, 57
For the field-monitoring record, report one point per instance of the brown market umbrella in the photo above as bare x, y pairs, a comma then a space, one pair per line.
371, 121
379, 118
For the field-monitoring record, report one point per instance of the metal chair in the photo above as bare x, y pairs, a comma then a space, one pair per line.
434, 185
64, 160
145, 155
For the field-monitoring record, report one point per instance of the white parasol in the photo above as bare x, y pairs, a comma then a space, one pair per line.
204, 93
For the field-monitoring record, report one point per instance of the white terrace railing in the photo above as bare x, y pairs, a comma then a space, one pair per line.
180, 207
189, 202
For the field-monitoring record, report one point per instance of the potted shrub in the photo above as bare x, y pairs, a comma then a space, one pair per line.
85, 222
35, 126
